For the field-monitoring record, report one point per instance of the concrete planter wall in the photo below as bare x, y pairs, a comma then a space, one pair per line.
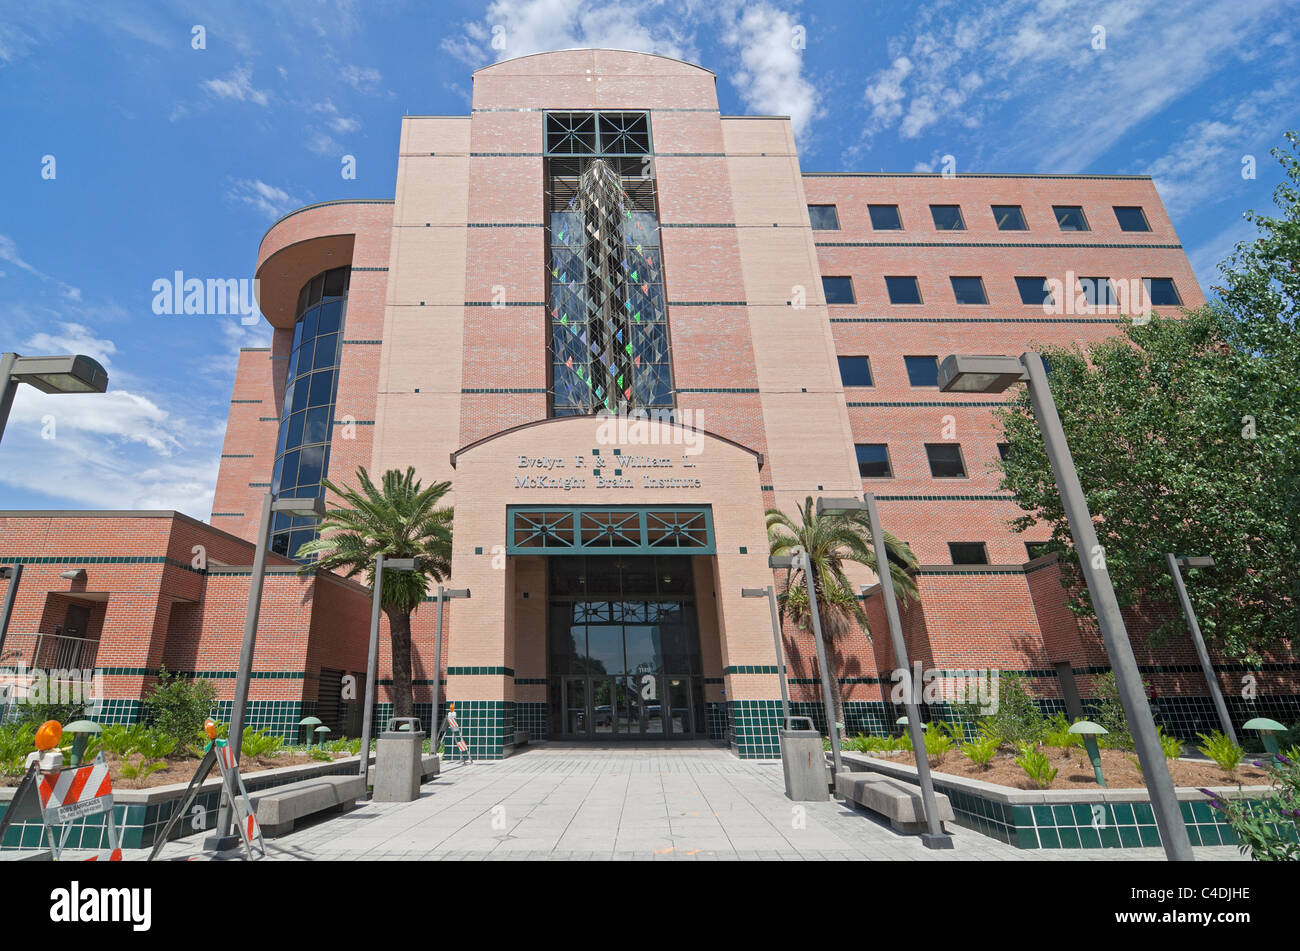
1067, 819
140, 814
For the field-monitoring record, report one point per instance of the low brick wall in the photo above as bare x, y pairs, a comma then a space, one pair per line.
1098, 818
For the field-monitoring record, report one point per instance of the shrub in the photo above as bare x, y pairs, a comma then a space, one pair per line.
1110, 714
1170, 745
117, 739
937, 744
1057, 734
1269, 830
1018, 719
177, 706
16, 741
1038, 767
1225, 753
981, 751
259, 743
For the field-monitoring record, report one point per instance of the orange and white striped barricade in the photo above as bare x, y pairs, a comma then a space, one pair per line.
72, 794
232, 784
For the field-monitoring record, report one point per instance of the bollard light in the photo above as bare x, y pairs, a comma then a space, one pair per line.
308, 722
82, 731
1090, 731
1267, 728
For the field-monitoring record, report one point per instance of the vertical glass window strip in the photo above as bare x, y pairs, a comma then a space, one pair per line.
609, 345
303, 443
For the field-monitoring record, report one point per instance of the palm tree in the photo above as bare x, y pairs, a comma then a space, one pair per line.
831, 541
399, 520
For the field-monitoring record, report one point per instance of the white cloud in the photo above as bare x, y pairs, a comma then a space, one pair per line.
771, 75
767, 68
364, 79
119, 414
270, 201
1208, 158
1034, 62
238, 86
73, 338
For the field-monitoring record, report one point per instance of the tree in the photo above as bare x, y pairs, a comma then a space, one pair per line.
832, 541
1186, 435
399, 520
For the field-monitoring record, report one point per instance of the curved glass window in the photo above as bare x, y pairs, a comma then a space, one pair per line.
302, 450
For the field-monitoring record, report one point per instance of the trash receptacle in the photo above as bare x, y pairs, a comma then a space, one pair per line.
803, 759
398, 761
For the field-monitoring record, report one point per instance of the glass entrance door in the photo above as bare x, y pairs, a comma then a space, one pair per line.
624, 648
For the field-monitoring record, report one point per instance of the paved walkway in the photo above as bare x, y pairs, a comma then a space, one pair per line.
564, 802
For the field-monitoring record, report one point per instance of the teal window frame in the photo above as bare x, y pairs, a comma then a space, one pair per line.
633, 534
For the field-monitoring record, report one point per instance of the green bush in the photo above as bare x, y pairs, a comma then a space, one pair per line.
1036, 764
16, 741
1110, 714
1017, 719
1057, 734
1270, 829
937, 744
1226, 754
1172, 746
259, 743
981, 751
177, 706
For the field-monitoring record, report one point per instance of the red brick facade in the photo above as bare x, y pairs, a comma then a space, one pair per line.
445, 344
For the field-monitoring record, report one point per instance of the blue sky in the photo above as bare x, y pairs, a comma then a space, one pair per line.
172, 158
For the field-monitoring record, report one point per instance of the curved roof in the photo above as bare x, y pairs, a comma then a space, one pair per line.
596, 49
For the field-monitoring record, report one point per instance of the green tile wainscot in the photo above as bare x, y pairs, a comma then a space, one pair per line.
1067, 819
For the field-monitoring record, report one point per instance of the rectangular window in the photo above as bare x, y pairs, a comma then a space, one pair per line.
823, 218
873, 460
855, 371
969, 290
1131, 218
968, 553
885, 218
1034, 291
945, 460
1004, 450
922, 371
1161, 291
838, 290
947, 217
903, 290
1070, 218
1009, 218
1036, 549
1098, 292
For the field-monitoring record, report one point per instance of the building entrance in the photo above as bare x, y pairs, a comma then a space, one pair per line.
624, 648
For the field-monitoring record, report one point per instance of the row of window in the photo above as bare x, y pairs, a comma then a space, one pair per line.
921, 370
1006, 217
976, 553
945, 459
1099, 292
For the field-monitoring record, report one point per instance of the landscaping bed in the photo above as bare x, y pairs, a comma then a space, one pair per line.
1075, 770
180, 769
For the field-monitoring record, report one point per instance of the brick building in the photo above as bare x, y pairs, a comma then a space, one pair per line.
595, 235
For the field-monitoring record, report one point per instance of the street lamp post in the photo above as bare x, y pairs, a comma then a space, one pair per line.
372, 656
993, 374
799, 558
443, 595
770, 593
64, 374
934, 836
1175, 564
307, 508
